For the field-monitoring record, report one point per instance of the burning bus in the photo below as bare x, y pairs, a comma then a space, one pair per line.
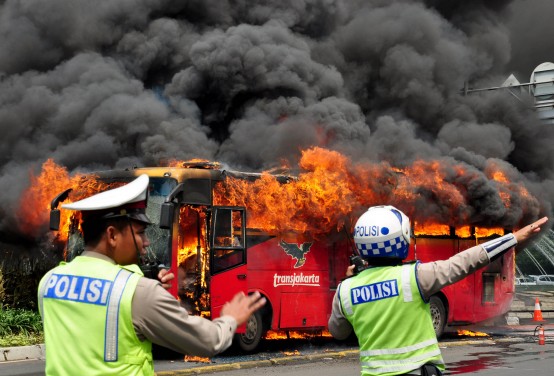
217, 231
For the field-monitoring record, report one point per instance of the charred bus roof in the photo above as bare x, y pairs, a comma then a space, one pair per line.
180, 174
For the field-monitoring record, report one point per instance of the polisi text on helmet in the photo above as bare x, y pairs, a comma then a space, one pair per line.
366, 231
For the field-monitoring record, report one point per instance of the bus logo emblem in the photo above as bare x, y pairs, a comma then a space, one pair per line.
296, 252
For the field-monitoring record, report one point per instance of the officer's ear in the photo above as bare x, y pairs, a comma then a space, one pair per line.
112, 234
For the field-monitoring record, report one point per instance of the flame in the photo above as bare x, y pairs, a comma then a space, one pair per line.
471, 334
270, 334
432, 229
507, 188
34, 206
318, 201
465, 232
329, 193
197, 359
193, 220
291, 353
331, 190
292, 334
487, 232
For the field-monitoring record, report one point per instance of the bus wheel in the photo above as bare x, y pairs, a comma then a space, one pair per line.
251, 338
438, 315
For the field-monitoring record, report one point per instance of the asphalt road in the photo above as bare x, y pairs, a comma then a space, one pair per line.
321, 350
483, 358
502, 351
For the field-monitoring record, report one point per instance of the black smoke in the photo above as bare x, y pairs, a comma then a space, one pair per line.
104, 84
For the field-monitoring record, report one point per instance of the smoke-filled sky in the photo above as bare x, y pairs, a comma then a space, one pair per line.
530, 25
104, 84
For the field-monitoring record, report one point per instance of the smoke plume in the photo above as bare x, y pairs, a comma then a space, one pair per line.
104, 84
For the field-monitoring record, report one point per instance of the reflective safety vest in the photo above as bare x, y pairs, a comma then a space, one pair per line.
88, 329
391, 320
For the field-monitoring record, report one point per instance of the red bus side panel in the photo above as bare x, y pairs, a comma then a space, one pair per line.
224, 286
480, 296
303, 310
296, 287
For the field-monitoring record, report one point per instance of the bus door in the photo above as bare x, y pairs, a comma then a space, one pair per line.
227, 256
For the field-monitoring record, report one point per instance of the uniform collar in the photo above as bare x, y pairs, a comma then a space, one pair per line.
97, 255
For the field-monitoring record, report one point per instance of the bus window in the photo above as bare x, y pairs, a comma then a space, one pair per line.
228, 239
488, 287
160, 242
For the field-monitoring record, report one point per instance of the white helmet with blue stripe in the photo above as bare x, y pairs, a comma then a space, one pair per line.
383, 232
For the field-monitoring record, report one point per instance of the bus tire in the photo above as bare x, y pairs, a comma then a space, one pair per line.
251, 338
438, 314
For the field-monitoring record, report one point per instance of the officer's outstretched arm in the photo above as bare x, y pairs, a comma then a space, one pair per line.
530, 230
499, 246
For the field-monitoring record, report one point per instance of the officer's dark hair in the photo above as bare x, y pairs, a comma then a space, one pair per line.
383, 261
93, 228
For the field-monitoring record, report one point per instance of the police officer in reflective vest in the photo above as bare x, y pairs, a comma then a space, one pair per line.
386, 304
101, 315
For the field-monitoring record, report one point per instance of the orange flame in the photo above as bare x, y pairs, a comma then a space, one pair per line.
469, 333
507, 188
196, 359
329, 192
291, 353
34, 206
462, 231
292, 334
431, 229
318, 201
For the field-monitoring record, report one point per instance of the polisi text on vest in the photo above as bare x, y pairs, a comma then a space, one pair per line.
78, 288
374, 291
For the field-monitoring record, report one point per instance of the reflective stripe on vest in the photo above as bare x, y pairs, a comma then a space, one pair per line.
404, 365
346, 304
399, 350
41, 294
406, 270
112, 315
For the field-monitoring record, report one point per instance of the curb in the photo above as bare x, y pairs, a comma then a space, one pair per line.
8, 354
258, 363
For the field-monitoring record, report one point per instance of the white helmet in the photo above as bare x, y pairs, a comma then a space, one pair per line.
383, 232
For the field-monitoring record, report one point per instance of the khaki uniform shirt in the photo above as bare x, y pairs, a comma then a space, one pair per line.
158, 317
431, 277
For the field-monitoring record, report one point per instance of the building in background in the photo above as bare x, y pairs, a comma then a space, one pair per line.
542, 88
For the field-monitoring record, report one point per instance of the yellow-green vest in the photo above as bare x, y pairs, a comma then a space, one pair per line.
86, 310
391, 320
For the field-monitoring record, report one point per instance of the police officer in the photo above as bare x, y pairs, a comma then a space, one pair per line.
387, 303
101, 315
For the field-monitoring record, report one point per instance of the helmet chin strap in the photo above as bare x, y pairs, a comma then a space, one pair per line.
147, 269
139, 258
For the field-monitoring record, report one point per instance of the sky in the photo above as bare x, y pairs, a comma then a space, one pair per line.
104, 84
530, 24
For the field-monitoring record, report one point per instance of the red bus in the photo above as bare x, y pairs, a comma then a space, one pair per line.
484, 295
216, 251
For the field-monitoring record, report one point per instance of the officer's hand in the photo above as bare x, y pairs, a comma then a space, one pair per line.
529, 230
164, 276
350, 270
242, 306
